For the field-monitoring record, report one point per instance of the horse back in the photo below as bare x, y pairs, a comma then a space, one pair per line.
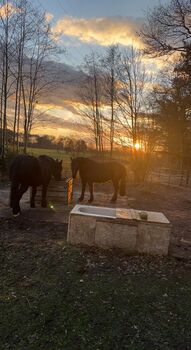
25, 169
97, 171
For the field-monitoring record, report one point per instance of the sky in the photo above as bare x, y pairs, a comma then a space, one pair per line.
77, 17
83, 26
97, 8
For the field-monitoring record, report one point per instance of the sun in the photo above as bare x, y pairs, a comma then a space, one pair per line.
137, 146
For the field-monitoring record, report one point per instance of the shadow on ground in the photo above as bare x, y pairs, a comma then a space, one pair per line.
174, 202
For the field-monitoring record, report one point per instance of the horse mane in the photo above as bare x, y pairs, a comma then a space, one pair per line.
45, 157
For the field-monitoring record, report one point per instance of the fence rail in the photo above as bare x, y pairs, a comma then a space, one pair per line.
160, 170
168, 177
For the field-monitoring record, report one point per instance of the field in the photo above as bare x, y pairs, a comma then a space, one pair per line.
66, 155
49, 152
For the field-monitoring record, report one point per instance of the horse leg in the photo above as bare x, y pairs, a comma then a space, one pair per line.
14, 198
83, 191
16, 195
22, 190
32, 200
116, 189
91, 192
44, 201
13, 193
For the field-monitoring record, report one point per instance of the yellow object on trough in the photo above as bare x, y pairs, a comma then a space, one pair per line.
127, 229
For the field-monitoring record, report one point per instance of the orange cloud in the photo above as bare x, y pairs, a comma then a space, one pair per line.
103, 31
7, 10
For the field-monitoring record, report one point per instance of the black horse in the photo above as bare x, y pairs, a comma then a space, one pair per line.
28, 171
93, 171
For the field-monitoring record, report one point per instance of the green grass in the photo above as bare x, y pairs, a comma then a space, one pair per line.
67, 155
54, 154
54, 296
49, 152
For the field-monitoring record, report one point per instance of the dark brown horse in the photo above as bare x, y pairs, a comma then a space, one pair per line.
28, 171
93, 171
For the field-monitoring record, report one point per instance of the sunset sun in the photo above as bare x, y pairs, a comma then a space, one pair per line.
137, 146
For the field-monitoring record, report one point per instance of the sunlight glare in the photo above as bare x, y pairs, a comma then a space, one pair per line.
137, 146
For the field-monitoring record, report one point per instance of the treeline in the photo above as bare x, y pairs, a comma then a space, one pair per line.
61, 143
49, 142
114, 98
25, 45
167, 33
125, 103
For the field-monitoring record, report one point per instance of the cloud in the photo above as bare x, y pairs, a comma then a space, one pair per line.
102, 31
7, 10
57, 125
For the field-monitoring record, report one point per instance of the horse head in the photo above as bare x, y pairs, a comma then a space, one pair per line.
57, 171
74, 167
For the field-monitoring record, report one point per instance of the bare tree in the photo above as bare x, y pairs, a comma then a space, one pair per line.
23, 35
26, 45
134, 113
110, 70
7, 39
34, 78
168, 28
133, 83
91, 96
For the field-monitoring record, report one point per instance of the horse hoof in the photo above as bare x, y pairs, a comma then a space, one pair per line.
80, 199
90, 201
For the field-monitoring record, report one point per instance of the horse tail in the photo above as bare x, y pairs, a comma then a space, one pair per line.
122, 188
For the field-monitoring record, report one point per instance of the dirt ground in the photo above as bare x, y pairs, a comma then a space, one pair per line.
174, 202
55, 296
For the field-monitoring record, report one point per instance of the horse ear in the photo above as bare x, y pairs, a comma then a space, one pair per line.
60, 161
71, 159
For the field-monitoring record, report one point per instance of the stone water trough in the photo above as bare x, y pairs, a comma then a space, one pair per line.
132, 230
